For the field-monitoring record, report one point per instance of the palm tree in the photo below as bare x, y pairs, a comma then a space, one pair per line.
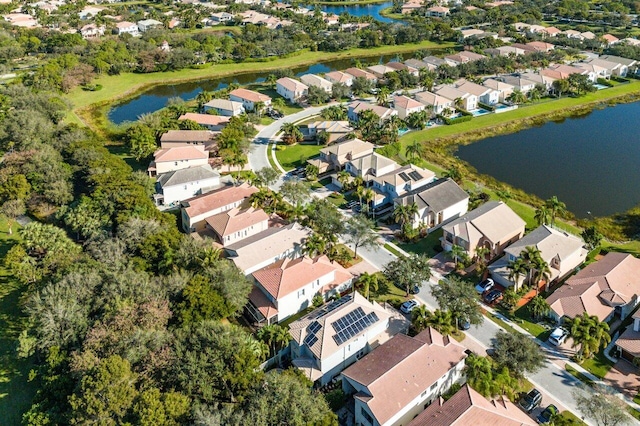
291, 133
369, 195
539, 307
360, 192
556, 207
414, 151
441, 321
542, 272
517, 97
367, 282
589, 333
382, 98
417, 119
481, 258
532, 257
274, 336
314, 245
426, 78
343, 177
401, 214
419, 317
456, 253
479, 374
543, 215
517, 268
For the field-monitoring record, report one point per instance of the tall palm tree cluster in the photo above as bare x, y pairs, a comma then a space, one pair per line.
589, 333
546, 214
531, 265
405, 215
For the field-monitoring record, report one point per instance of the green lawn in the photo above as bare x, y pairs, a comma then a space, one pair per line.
16, 392
292, 156
572, 419
426, 245
599, 365
632, 247
391, 294
288, 108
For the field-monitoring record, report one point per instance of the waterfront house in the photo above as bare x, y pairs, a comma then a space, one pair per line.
369, 166
518, 82
468, 101
220, 17
291, 89
398, 182
625, 64
611, 68
418, 64
355, 108
339, 77
484, 94
357, 72
317, 81
181, 138
380, 70
438, 11
211, 122
436, 103
170, 159
179, 185
541, 46
628, 344
434, 61
503, 89
336, 156
405, 106
462, 58
399, 66
249, 99
224, 107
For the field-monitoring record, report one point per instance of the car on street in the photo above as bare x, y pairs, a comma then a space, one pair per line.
492, 297
408, 306
530, 401
464, 324
485, 286
547, 413
558, 336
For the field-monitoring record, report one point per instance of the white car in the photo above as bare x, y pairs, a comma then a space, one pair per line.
408, 306
558, 336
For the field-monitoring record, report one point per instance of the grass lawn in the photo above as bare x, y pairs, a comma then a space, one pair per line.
16, 392
337, 199
122, 152
389, 293
599, 365
288, 108
572, 419
632, 247
426, 245
292, 156
524, 320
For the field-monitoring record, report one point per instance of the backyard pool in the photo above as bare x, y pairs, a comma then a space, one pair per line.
600, 86
478, 112
402, 131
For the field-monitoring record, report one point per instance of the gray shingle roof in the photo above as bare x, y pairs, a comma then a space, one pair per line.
438, 195
191, 174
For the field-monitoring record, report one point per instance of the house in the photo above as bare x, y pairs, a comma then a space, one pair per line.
317, 81
266, 247
594, 71
607, 287
468, 101
436, 103
170, 159
610, 39
405, 106
399, 66
418, 64
89, 12
125, 27
562, 251
220, 17
468, 407
395, 381
437, 203
398, 182
607, 68
180, 138
541, 46
518, 82
23, 20
355, 108
438, 11
540, 79
472, 32
337, 130
90, 31
289, 285
505, 51
503, 89
178, 185
462, 58
211, 122
410, 6
224, 107
249, 99
380, 70
290, 89
357, 72
339, 77
148, 24
550, 31
628, 343
332, 337
434, 61
588, 35
625, 64
369, 166
197, 209
336, 156
237, 224
567, 70
493, 225
484, 94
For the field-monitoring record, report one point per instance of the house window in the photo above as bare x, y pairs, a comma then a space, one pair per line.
423, 394
301, 293
185, 187
433, 386
366, 415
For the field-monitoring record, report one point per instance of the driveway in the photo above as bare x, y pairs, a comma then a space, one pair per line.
623, 377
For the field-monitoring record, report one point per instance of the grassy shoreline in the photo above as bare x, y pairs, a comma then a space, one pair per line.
343, 3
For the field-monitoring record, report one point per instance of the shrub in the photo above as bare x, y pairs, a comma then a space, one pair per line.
336, 399
605, 82
452, 121
487, 107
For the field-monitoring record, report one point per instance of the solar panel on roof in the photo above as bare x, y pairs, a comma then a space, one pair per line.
332, 306
404, 176
310, 340
348, 319
355, 328
415, 175
314, 327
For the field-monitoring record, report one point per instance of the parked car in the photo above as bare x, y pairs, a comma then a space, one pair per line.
485, 286
464, 324
558, 336
415, 289
492, 297
547, 413
530, 401
408, 306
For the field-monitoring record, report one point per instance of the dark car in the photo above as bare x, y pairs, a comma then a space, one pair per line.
485, 286
464, 324
415, 289
530, 401
492, 296
547, 413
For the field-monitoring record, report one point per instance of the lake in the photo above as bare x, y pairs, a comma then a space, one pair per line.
362, 10
591, 162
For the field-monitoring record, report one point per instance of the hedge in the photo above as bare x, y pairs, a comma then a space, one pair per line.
457, 120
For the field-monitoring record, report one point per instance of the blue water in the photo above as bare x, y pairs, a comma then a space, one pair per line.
479, 112
362, 10
589, 162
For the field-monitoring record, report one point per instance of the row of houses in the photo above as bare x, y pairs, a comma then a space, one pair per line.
554, 32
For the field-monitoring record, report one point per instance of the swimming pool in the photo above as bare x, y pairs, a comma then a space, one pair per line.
479, 111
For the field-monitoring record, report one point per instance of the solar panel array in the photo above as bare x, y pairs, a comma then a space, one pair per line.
312, 330
351, 324
331, 307
415, 175
403, 176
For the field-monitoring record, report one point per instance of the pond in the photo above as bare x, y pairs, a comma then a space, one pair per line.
372, 10
590, 162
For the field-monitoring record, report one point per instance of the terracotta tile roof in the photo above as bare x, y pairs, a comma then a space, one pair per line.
260, 301
291, 84
397, 372
338, 77
467, 407
288, 276
250, 95
629, 340
205, 119
235, 220
192, 152
188, 135
357, 72
217, 199
610, 38
406, 102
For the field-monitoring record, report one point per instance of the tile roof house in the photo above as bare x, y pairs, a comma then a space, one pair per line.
418, 64
438, 11
625, 64
434, 60
628, 343
336, 129
485, 94
563, 253
336, 156
463, 57
125, 27
267, 247
492, 225
610, 39
438, 203
339, 77
541, 46
179, 185
183, 138
170, 159
289, 285
148, 24
398, 182
503, 89
405, 106
400, 66
224, 107
317, 81
332, 337
606, 287
380, 70
290, 89
357, 72
469, 100
197, 209
395, 381
237, 224
468, 407
370, 166
211, 122
249, 98
354, 108
518, 82
437, 103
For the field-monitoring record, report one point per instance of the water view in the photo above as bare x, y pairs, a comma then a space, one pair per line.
590, 162
362, 10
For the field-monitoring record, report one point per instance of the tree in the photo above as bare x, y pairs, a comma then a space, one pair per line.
291, 134
458, 297
510, 298
16, 187
556, 208
543, 215
606, 409
334, 112
295, 191
368, 282
517, 97
454, 174
539, 307
274, 336
266, 176
343, 178
317, 96
360, 233
591, 237
407, 272
154, 408
404, 213
314, 245
382, 97
518, 352
311, 171
414, 151
141, 141
417, 120
340, 91
12, 209
441, 321
456, 253
479, 372
560, 86
517, 268
532, 259
326, 219
589, 333
419, 317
